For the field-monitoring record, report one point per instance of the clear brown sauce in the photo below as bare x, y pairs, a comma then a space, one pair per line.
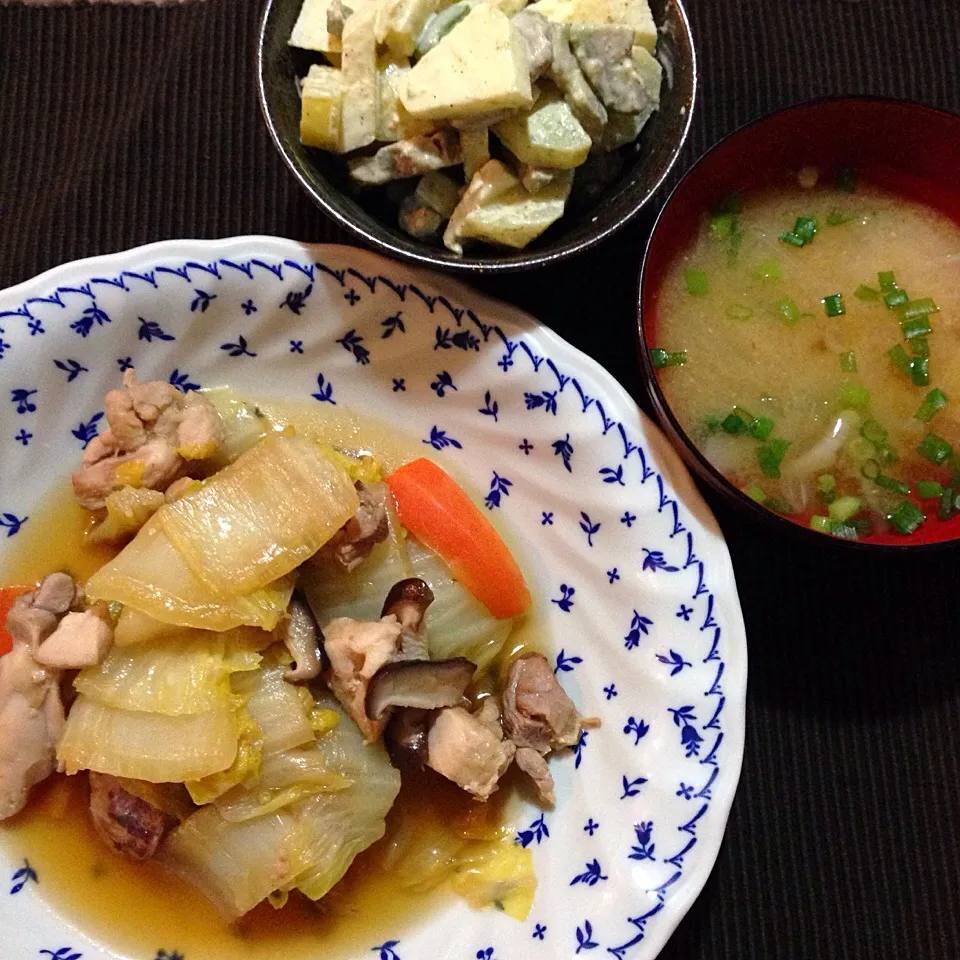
140, 908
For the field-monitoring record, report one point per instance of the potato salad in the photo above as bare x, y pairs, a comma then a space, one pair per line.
476, 114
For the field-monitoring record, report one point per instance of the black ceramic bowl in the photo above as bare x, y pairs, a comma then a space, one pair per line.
919, 162
640, 167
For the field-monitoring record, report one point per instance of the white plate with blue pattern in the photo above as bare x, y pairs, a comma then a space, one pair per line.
632, 574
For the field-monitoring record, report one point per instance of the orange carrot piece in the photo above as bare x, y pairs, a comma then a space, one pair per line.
7, 596
437, 511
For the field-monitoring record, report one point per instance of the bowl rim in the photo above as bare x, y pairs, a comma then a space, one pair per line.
466, 264
702, 468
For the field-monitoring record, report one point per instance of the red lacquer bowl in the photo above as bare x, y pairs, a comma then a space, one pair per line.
905, 148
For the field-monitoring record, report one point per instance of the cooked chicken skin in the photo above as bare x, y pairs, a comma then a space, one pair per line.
153, 430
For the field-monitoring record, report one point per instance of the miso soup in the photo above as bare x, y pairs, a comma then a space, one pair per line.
809, 344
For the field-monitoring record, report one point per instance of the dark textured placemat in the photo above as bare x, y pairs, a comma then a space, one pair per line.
120, 126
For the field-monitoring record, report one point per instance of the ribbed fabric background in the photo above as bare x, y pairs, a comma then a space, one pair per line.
122, 125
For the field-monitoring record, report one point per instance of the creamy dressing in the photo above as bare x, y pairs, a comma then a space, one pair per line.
138, 908
741, 351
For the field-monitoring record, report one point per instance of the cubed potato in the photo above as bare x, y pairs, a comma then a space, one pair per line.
321, 97
516, 218
492, 180
398, 23
478, 67
631, 13
360, 79
650, 72
393, 121
549, 135
310, 31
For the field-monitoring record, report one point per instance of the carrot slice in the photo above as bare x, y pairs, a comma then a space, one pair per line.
437, 511
7, 596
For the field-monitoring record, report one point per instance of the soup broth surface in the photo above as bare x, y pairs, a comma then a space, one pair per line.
726, 303
139, 909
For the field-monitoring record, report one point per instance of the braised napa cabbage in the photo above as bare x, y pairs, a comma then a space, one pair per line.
457, 625
176, 675
151, 576
277, 708
147, 746
308, 844
261, 517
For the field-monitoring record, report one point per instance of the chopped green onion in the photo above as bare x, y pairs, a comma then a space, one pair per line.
805, 228
929, 490
843, 508
836, 218
827, 488
756, 493
769, 269
733, 425
737, 311
887, 281
665, 358
722, 226
894, 298
833, 304
934, 448
919, 308
788, 309
916, 327
770, 456
782, 507
920, 347
935, 400
863, 292
900, 359
920, 371
761, 428
854, 395
859, 449
906, 517
949, 507
822, 524
887, 454
737, 421
698, 283
873, 431
891, 483
870, 469
846, 179
848, 362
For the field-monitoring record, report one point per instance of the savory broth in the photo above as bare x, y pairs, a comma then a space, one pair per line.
139, 907
731, 311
